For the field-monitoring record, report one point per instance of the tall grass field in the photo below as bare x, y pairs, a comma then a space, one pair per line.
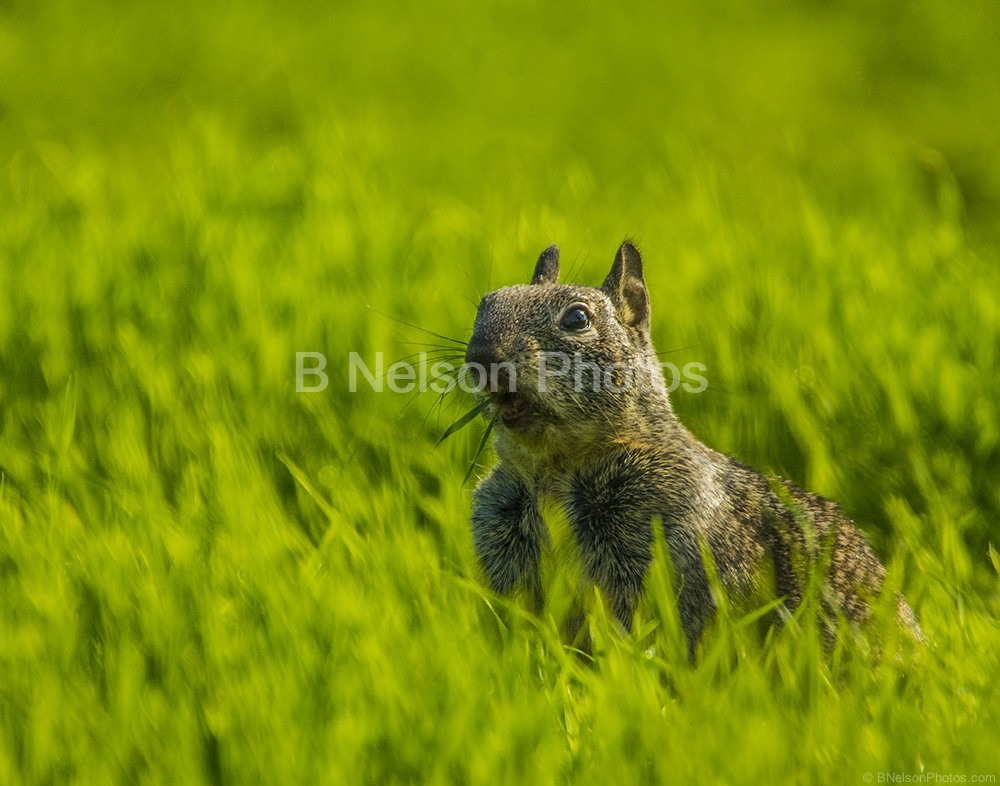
210, 576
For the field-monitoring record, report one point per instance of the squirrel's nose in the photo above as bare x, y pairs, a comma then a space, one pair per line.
483, 353
482, 358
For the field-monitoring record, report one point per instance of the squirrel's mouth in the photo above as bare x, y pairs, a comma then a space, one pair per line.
516, 411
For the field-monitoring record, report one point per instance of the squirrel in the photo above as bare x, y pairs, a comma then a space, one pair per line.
572, 386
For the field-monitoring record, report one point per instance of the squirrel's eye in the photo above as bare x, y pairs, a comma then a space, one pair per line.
576, 318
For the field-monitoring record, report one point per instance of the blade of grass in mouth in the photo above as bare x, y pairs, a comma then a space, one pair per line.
464, 420
482, 444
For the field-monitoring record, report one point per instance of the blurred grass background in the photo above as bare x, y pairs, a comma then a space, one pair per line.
207, 577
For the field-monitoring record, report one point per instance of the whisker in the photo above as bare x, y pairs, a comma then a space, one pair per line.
678, 349
442, 403
437, 357
438, 405
434, 347
422, 389
454, 360
417, 327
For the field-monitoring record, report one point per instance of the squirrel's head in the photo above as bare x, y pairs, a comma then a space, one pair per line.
559, 361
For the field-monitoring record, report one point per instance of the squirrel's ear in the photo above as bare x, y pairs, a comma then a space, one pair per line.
547, 267
626, 288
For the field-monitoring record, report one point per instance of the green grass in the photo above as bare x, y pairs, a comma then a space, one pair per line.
206, 577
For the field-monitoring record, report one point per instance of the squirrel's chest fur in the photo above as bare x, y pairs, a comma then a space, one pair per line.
614, 503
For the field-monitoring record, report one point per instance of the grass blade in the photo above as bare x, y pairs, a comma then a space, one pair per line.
464, 420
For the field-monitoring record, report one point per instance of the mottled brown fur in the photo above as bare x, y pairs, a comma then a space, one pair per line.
615, 458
